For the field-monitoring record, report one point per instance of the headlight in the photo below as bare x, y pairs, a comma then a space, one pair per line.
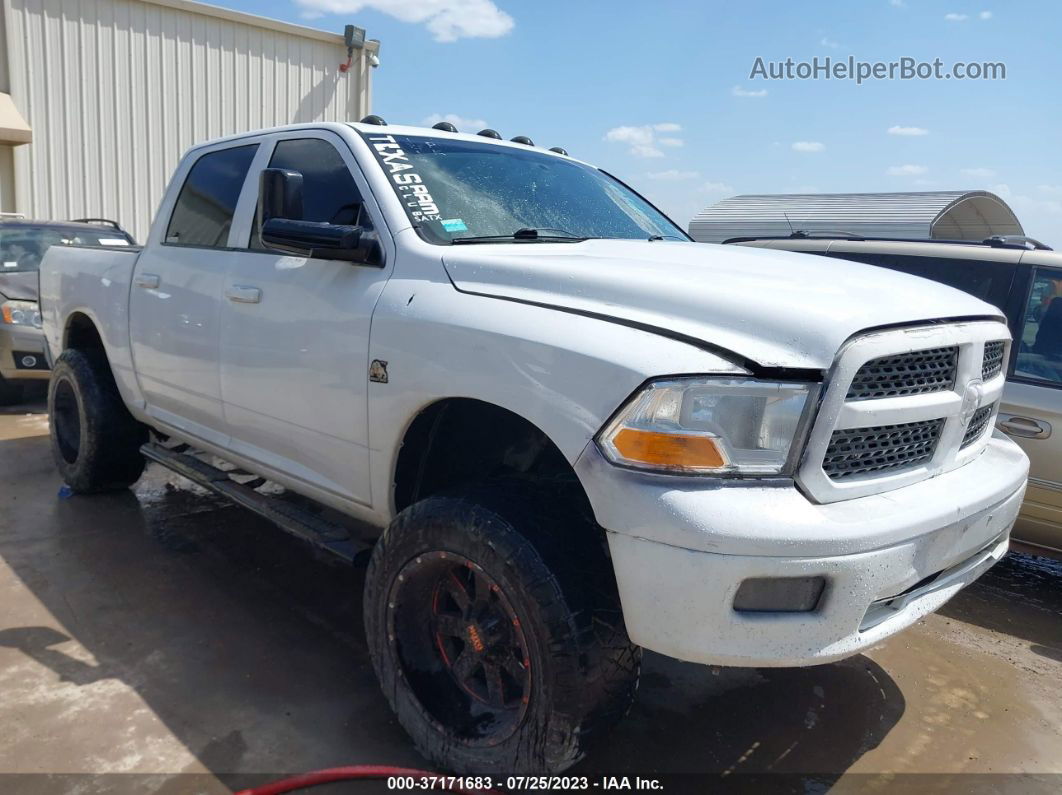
713, 426
21, 313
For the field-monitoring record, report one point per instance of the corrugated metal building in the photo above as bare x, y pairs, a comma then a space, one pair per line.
950, 215
100, 98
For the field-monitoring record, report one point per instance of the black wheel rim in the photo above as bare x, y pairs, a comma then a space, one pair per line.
66, 421
461, 648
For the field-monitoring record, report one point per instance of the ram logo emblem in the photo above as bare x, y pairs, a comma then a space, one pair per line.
971, 400
378, 371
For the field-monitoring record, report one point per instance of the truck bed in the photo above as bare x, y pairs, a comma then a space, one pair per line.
94, 282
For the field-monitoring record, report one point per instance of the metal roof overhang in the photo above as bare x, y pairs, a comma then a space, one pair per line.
13, 127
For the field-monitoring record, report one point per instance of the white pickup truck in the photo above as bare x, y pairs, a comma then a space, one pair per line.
577, 433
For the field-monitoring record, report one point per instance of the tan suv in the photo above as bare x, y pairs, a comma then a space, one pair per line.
1023, 278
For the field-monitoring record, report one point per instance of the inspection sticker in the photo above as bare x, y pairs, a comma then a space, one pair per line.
453, 225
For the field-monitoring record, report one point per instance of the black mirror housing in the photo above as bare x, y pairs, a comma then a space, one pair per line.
279, 195
281, 225
322, 240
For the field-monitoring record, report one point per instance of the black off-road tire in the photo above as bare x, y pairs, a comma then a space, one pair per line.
11, 394
95, 440
551, 576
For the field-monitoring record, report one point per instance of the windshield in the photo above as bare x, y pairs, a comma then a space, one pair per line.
22, 246
460, 190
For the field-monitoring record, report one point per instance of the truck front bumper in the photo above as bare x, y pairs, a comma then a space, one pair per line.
22, 353
682, 549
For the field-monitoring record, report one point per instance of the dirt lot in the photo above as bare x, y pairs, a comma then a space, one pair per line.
160, 640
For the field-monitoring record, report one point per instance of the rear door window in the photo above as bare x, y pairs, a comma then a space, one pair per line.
203, 213
1040, 347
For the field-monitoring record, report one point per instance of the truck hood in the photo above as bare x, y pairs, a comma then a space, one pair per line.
20, 286
775, 308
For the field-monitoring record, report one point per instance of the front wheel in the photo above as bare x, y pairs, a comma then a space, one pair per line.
496, 632
95, 440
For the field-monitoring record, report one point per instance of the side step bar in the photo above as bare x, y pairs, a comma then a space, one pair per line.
288, 516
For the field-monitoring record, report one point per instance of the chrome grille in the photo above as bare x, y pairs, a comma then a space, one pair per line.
885, 448
992, 365
977, 425
914, 373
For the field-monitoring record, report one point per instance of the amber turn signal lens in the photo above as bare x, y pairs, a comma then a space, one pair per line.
669, 450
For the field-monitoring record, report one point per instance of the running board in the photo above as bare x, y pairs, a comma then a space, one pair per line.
297, 521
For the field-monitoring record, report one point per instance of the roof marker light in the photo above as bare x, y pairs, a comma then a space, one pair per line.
445, 126
560, 150
489, 133
372, 118
522, 139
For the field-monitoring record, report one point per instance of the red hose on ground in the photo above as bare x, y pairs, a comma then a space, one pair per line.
333, 774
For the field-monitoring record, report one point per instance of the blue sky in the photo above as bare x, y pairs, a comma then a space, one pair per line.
660, 93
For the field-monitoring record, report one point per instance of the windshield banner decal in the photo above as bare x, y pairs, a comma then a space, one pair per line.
411, 188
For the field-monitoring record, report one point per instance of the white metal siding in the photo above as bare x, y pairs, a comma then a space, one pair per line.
116, 90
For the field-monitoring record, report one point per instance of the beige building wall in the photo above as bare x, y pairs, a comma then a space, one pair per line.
7, 159
116, 90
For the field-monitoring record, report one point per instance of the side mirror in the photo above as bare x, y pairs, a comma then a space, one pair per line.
322, 240
279, 195
280, 224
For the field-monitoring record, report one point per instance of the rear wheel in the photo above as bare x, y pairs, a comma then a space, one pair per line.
496, 632
95, 441
10, 394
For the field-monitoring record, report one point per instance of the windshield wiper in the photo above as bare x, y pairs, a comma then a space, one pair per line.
526, 235
653, 238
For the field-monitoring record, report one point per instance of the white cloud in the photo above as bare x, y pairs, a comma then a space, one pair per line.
808, 146
896, 129
979, 173
673, 175
738, 91
642, 139
985, 15
956, 17
460, 122
828, 42
1041, 218
446, 20
906, 171
717, 188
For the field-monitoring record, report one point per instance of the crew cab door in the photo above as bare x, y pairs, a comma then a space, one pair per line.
295, 330
175, 301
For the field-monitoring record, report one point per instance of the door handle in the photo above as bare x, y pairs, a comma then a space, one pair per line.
243, 294
147, 280
1025, 427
